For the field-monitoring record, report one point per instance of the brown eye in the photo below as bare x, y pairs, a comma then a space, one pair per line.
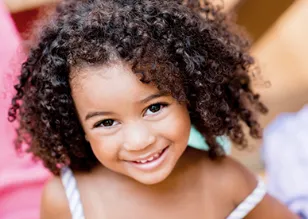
108, 122
155, 108
105, 123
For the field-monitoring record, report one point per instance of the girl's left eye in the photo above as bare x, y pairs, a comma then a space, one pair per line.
155, 108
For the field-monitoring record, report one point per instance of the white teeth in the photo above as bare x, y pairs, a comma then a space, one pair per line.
156, 155
150, 159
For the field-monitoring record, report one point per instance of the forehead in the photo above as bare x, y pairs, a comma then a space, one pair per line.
115, 82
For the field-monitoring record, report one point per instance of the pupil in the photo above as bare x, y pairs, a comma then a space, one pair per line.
155, 108
108, 122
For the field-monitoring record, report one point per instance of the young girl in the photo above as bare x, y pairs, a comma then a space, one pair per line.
107, 99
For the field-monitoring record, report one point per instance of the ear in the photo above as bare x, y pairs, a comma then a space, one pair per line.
86, 137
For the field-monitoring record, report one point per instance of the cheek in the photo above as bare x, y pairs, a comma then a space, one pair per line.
104, 148
178, 126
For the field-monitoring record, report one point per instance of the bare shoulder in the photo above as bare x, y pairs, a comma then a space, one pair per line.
234, 176
230, 177
54, 203
225, 174
237, 182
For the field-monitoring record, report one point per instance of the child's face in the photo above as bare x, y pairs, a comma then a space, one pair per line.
133, 128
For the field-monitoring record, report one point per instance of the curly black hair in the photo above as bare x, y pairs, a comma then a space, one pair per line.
187, 48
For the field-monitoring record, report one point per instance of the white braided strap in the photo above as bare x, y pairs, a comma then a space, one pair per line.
72, 193
250, 202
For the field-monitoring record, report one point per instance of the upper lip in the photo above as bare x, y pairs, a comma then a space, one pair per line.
147, 155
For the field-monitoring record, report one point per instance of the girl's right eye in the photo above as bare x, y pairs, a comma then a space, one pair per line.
105, 123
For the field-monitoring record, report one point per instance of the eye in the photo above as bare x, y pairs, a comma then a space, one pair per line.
105, 123
155, 108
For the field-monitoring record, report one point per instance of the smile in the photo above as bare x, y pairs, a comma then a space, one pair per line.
152, 162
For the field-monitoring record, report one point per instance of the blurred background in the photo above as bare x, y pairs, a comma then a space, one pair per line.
277, 28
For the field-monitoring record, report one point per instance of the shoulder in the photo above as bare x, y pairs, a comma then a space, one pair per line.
54, 203
225, 174
236, 176
230, 175
237, 182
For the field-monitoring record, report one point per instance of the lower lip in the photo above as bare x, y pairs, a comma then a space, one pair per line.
153, 164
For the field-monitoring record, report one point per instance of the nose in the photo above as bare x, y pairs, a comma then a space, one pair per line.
137, 137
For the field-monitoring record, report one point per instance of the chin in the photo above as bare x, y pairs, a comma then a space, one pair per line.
152, 178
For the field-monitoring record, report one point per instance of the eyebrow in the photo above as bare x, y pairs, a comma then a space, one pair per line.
154, 96
145, 100
94, 114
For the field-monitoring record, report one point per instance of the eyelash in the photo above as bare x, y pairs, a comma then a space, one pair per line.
162, 106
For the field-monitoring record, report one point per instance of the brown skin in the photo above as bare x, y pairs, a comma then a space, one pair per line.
187, 184
197, 188
134, 123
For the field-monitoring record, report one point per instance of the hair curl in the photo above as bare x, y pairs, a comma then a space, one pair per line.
186, 48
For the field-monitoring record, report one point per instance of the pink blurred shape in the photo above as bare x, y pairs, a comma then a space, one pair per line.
21, 180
